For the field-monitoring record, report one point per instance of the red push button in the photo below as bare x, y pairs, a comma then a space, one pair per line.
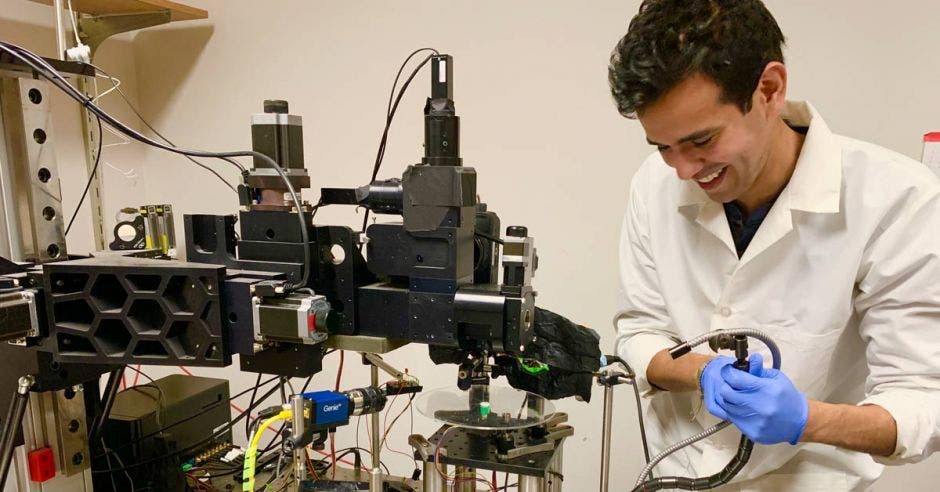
41, 464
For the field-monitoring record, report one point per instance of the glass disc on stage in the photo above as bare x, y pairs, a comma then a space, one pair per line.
485, 407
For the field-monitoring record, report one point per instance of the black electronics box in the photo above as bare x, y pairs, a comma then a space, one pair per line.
171, 414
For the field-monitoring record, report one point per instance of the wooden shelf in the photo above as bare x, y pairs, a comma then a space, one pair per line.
178, 11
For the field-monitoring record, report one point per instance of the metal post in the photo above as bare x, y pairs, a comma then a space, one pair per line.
465, 479
12, 424
297, 429
375, 474
529, 483
59, 30
605, 436
432, 480
554, 478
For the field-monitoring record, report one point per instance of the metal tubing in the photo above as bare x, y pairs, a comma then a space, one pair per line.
12, 423
297, 429
59, 30
432, 479
375, 474
606, 426
465, 479
555, 478
531, 484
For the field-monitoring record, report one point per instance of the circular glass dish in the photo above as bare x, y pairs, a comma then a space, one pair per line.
485, 407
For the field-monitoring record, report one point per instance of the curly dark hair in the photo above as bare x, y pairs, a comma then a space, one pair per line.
729, 41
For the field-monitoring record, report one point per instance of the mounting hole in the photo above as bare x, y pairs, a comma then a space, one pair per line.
77, 459
126, 232
39, 135
74, 425
337, 254
69, 393
269, 233
48, 213
53, 251
44, 175
35, 96
232, 317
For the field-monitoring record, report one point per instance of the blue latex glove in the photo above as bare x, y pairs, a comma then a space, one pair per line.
763, 403
711, 381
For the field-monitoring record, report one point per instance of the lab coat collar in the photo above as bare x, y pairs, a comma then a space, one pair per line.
816, 183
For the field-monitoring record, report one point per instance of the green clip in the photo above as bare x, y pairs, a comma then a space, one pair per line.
533, 366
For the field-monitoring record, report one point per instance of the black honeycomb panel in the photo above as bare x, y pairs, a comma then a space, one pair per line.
75, 314
118, 310
146, 316
107, 293
68, 283
143, 283
112, 337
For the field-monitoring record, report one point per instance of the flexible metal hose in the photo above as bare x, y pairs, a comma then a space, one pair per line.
677, 446
744, 449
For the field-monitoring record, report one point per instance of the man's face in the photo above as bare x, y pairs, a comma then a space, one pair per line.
708, 140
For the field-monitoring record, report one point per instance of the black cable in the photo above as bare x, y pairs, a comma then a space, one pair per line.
306, 384
143, 120
355, 451
91, 177
613, 359
390, 115
46, 71
138, 371
639, 411
254, 393
488, 237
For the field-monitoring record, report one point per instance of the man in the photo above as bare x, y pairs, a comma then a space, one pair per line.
753, 214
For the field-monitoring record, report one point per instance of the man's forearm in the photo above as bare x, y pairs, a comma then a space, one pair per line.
867, 428
676, 374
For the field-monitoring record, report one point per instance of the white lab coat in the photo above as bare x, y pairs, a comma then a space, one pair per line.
844, 274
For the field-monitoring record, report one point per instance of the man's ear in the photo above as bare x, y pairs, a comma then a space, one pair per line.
771, 92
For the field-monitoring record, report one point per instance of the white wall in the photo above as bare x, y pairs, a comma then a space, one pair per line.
30, 25
537, 123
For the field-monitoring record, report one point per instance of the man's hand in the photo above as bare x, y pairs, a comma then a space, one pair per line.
711, 381
762, 403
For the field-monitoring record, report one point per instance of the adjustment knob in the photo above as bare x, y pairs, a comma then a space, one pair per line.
517, 231
275, 106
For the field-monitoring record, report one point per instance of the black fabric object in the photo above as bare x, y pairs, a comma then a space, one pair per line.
571, 351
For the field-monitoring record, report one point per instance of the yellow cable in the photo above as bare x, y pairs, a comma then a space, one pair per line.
248, 476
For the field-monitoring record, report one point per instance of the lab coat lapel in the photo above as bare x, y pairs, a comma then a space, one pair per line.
814, 187
776, 225
712, 218
708, 214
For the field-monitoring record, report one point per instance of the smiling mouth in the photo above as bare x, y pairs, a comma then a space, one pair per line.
711, 180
